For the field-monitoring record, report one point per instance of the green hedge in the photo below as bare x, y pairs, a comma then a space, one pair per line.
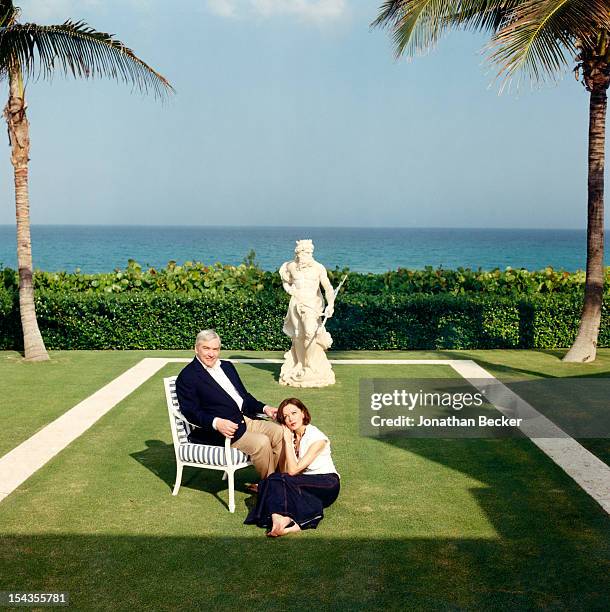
424, 322
157, 321
248, 278
144, 320
10, 325
509, 282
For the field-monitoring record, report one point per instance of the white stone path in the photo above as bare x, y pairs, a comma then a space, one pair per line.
589, 472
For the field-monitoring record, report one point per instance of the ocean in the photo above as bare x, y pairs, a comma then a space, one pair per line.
95, 248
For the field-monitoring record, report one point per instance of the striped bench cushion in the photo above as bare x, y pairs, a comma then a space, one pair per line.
208, 455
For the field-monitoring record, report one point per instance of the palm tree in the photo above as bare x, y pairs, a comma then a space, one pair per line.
36, 50
537, 39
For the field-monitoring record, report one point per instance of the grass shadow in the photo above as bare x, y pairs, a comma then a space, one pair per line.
523, 501
115, 572
497, 368
160, 459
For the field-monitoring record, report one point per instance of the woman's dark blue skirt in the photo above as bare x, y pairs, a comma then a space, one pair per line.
301, 497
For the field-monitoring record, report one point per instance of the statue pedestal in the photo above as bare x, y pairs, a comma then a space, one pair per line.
317, 373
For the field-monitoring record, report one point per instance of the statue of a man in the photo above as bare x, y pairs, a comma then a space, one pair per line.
306, 364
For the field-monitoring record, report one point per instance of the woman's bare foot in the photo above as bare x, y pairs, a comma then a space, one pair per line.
280, 522
292, 527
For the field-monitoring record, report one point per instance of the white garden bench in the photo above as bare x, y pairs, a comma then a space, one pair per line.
207, 456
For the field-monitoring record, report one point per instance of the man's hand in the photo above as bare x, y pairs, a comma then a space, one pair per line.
329, 311
226, 428
270, 411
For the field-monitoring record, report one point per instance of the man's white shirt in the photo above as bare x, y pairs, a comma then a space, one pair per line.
218, 374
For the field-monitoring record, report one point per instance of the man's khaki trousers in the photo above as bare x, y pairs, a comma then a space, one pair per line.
263, 441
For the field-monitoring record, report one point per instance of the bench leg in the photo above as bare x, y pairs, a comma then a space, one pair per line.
178, 479
231, 478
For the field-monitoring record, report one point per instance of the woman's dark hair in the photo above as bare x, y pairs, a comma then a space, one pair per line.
295, 402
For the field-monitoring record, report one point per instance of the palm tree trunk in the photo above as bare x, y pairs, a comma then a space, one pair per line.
19, 136
584, 348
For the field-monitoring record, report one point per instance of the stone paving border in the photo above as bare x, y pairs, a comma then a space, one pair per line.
21, 462
587, 470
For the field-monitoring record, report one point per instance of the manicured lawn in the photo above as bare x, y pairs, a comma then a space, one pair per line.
39, 392
420, 524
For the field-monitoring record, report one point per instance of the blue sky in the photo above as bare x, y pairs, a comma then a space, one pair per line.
294, 112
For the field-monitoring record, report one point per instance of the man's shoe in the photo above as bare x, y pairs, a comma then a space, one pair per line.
252, 487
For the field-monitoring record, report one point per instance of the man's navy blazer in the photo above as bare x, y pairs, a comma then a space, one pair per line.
202, 399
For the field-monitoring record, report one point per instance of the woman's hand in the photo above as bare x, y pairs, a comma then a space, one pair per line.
287, 434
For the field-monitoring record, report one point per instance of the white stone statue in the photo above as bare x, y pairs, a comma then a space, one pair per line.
306, 364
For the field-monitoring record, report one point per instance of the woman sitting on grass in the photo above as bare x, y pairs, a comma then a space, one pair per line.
293, 500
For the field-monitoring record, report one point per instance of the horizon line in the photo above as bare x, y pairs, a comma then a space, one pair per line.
291, 227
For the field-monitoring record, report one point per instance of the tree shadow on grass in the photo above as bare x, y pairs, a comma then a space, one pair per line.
511, 370
549, 529
558, 353
304, 572
523, 493
498, 368
580, 417
159, 458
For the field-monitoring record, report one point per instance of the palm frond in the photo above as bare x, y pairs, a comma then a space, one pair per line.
485, 15
535, 43
417, 25
78, 50
8, 12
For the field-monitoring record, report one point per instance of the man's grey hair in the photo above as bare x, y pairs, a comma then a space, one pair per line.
205, 335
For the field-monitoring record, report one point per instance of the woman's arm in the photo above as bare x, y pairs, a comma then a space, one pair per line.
295, 466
